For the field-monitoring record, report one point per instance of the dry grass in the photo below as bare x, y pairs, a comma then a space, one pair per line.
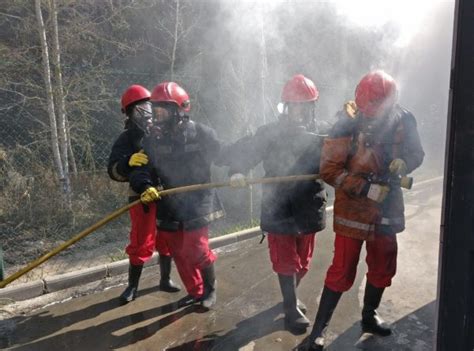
34, 217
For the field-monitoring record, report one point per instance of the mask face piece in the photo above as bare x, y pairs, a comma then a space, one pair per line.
142, 115
164, 113
301, 114
161, 114
370, 129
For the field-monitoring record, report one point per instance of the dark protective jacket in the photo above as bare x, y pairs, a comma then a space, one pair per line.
178, 159
128, 143
359, 150
284, 149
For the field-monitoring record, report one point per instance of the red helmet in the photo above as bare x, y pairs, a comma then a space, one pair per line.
299, 89
171, 92
133, 94
375, 90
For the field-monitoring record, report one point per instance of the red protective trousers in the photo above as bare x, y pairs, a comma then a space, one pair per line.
381, 261
291, 254
191, 254
143, 235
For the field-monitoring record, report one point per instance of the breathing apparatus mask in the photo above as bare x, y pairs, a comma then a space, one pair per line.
140, 115
299, 114
169, 120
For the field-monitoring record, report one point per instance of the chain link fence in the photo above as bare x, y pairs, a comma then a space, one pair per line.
34, 219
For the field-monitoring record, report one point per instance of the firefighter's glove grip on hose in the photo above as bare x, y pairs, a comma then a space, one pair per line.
378, 192
149, 195
238, 180
138, 159
398, 167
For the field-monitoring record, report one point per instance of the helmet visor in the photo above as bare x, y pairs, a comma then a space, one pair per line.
163, 112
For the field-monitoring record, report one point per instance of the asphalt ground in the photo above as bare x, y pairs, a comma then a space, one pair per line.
249, 314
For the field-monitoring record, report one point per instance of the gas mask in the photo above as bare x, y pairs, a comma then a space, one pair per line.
372, 128
169, 120
141, 116
300, 115
164, 117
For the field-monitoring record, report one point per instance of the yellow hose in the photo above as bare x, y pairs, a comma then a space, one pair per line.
123, 209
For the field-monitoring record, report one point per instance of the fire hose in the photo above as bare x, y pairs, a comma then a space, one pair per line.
120, 211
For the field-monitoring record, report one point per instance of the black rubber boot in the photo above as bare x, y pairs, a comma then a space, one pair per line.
371, 322
130, 293
209, 279
188, 300
299, 303
327, 305
166, 284
301, 306
295, 320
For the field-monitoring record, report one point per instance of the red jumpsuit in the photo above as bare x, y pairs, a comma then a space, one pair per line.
144, 238
291, 254
191, 254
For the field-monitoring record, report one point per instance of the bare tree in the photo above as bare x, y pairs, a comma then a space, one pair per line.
172, 27
63, 127
175, 39
62, 173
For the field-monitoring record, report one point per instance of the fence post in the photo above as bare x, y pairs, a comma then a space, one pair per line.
2, 267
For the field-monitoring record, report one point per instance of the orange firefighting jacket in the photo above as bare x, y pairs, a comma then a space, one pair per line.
359, 150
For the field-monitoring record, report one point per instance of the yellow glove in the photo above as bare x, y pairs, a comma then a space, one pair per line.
351, 108
138, 159
378, 192
238, 180
150, 195
398, 167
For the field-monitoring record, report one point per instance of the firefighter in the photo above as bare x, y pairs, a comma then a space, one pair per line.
364, 158
181, 153
127, 153
291, 213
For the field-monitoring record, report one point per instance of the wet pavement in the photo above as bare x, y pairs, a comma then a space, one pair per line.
248, 315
